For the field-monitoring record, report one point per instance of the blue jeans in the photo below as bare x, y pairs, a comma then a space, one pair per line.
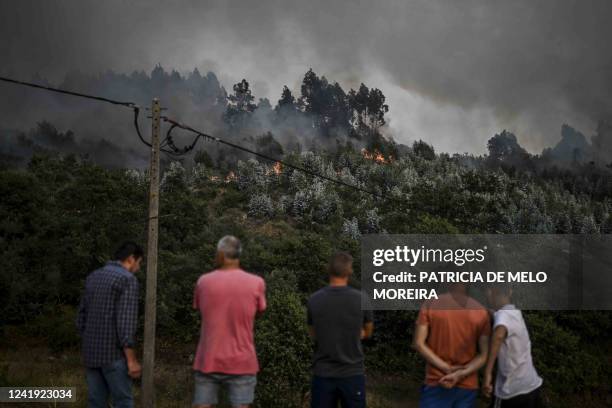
241, 388
326, 392
440, 397
112, 380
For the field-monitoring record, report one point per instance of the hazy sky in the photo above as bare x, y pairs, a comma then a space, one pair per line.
455, 72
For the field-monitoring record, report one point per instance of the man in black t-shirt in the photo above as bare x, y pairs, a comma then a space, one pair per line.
338, 324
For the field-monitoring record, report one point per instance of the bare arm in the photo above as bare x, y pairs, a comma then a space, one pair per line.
262, 304
450, 380
419, 343
130, 354
134, 368
367, 330
499, 335
479, 361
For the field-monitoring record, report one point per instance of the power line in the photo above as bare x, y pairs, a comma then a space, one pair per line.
170, 143
142, 139
66, 92
130, 105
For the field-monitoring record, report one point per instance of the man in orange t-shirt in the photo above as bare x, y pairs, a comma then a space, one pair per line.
452, 334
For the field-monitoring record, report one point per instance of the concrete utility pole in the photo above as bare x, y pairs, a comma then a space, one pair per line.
148, 386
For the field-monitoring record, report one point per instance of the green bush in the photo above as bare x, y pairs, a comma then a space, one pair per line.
57, 325
389, 350
562, 359
284, 347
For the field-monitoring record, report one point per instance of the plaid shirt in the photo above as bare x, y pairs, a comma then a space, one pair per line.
108, 314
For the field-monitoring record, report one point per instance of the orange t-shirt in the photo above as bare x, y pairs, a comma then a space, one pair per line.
454, 331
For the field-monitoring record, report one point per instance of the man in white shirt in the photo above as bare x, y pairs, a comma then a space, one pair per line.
517, 383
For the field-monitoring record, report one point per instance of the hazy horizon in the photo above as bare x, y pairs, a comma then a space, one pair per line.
454, 74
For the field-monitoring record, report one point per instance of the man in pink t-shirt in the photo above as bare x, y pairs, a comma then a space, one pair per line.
228, 299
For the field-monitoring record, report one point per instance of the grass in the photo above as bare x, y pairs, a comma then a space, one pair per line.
36, 365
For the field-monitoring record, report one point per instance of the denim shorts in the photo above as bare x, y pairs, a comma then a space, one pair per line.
241, 388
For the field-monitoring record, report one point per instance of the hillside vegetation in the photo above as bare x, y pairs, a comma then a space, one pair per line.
60, 217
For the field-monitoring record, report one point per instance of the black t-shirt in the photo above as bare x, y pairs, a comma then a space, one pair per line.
336, 315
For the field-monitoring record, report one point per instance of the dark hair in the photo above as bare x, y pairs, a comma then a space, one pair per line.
339, 264
126, 249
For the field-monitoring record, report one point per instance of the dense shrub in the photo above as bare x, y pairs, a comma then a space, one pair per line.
564, 359
389, 351
56, 324
283, 345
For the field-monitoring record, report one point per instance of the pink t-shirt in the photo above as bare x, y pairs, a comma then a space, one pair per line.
228, 300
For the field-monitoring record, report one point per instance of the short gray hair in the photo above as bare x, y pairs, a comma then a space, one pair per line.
230, 246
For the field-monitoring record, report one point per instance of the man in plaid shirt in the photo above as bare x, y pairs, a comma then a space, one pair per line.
107, 321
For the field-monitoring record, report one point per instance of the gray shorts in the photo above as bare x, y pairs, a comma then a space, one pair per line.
241, 388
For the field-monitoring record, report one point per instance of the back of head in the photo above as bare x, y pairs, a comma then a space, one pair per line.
127, 249
341, 265
499, 294
457, 288
500, 288
230, 247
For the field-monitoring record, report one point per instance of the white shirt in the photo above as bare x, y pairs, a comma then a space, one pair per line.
515, 371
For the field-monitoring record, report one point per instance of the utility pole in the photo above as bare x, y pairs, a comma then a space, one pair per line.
148, 386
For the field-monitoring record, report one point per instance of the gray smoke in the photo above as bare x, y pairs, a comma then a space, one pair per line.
454, 72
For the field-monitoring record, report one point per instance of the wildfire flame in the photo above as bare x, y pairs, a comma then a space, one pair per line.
376, 156
230, 177
277, 168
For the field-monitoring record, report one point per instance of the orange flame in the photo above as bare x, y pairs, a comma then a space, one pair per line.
376, 156
277, 168
230, 177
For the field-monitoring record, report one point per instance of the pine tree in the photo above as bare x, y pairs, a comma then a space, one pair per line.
286, 104
240, 104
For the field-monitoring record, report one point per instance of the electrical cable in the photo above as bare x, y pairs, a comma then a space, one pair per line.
188, 148
169, 147
66, 92
130, 105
